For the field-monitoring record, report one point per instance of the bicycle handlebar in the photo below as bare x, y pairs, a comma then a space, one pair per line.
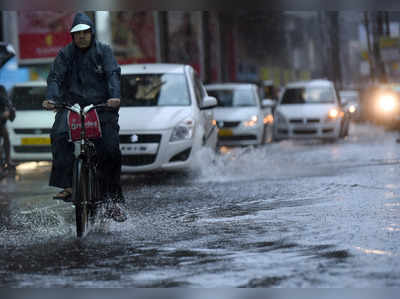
78, 109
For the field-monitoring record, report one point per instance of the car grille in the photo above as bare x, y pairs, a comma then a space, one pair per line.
306, 120
237, 138
227, 124
32, 149
327, 131
304, 132
141, 138
36, 131
138, 160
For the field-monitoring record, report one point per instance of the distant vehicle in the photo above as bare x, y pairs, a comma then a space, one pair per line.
310, 109
242, 118
166, 117
350, 100
30, 131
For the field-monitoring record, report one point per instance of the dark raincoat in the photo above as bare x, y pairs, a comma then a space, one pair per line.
89, 76
4, 104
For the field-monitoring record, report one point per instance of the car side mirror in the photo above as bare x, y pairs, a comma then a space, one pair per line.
265, 103
209, 102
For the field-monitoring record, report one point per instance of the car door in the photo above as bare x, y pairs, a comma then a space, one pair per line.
206, 115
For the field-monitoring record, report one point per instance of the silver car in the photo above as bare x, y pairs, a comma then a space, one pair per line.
242, 118
309, 109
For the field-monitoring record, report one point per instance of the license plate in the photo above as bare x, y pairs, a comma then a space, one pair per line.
225, 132
35, 141
137, 149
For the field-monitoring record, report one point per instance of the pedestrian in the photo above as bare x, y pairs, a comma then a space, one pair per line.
86, 72
7, 112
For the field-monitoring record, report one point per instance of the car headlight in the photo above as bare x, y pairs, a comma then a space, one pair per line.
268, 119
387, 102
252, 122
183, 131
352, 109
333, 114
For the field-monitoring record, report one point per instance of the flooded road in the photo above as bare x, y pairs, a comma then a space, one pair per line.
288, 214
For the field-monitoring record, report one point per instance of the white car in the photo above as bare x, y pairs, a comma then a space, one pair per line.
165, 118
242, 118
309, 109
30, 131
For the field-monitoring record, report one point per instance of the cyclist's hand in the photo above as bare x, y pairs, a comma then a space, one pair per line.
114, 102
6, 114
47, 105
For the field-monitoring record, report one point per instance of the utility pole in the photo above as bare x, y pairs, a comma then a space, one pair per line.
206, 46
369, 47
377, 33
337, 70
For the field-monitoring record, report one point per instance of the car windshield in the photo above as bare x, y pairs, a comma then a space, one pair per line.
233, 97
349, 98
143, 90
28, 97
308, 95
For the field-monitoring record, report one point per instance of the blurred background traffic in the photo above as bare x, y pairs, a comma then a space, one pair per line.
358, 51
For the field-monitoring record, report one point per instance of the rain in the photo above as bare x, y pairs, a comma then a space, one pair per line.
309, 211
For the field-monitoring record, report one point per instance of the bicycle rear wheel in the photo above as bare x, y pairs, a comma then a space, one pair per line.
81, 198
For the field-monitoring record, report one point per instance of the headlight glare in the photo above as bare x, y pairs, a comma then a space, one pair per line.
269, 119
387, 103
333, 113
352, 108
252, 122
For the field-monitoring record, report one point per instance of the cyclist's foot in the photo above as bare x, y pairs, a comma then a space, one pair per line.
65, 195
116, 212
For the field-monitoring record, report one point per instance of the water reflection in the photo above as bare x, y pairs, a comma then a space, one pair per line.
374, 251
5, 214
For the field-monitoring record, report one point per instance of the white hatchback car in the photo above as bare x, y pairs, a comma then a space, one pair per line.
166, 117
309, 109
30, 131
242, 118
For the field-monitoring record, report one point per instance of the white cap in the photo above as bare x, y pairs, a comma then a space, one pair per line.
80, 27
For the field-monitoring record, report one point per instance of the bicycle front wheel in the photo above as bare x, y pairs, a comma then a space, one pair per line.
93, 193
81, 198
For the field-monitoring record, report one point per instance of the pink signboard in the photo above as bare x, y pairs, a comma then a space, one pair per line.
41, 34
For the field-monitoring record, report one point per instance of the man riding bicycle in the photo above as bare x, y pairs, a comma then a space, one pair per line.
86, 72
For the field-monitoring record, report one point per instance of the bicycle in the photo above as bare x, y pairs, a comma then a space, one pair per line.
85, 184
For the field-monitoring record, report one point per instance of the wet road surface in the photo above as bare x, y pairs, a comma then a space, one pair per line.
288, 214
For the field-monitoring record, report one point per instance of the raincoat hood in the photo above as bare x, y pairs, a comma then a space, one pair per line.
82, 18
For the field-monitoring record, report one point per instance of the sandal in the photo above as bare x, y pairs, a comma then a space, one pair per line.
65, 195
